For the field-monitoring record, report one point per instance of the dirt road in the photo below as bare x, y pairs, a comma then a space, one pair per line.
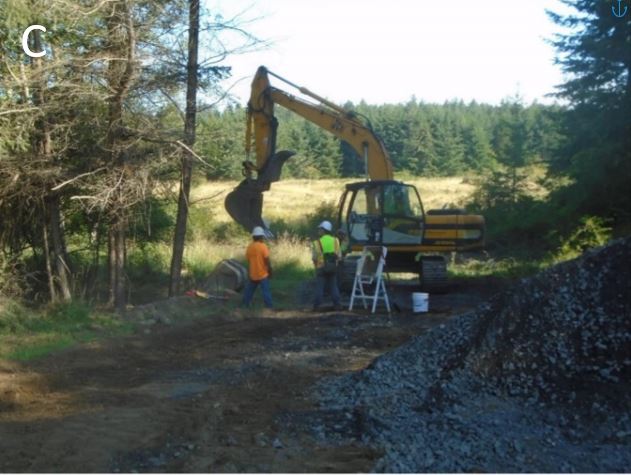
215, 394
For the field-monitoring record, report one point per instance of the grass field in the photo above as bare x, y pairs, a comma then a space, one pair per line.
288, 200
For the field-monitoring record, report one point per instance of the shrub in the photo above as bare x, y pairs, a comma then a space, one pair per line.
305, 226
591, 232
12, 285
14, 318
70, 312
157, 222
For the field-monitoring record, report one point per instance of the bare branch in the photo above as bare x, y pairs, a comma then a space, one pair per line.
212, 197
19, 111
190, 150
67, 182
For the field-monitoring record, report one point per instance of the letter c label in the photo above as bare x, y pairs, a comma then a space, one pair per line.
25, 47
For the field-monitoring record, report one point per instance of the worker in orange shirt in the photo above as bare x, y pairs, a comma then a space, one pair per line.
259, 269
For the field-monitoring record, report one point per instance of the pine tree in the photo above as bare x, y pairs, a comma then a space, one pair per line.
479, 154
421, 148
596, 54
450, 148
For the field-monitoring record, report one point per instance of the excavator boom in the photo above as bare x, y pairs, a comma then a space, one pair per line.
245, 202
342, 123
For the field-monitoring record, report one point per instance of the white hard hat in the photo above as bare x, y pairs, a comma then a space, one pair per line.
326, 225
258, 231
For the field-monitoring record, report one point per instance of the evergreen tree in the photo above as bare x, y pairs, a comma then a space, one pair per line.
352, 164
479, 154
421, 148
595, 52
450, 149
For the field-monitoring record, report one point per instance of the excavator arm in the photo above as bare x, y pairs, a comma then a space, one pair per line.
340, 122
245, 202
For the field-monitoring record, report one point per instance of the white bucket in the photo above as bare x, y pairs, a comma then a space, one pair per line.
420, 302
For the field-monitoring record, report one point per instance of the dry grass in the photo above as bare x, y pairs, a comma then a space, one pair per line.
285, 250
202, 255
291, 199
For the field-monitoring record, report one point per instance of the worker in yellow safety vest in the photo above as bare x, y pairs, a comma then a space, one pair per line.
326, 254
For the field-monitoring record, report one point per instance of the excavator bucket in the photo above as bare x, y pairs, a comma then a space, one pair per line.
244, 204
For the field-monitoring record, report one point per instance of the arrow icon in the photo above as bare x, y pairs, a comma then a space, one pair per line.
620, 13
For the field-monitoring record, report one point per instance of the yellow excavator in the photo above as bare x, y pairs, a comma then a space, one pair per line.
377, 211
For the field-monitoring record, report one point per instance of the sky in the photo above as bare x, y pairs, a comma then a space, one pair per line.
388, 51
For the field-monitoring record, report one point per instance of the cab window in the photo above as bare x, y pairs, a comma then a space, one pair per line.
400, 201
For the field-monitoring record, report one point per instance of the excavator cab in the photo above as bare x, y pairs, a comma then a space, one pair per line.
381, 212
390, 213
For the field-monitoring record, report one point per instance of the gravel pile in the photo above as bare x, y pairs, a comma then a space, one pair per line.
536, 380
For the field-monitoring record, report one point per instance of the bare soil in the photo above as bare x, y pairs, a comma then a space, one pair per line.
209, 395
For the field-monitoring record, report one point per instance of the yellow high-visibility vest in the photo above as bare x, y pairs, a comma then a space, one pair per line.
327, 244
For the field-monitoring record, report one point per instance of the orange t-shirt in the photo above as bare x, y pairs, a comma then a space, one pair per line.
256, 254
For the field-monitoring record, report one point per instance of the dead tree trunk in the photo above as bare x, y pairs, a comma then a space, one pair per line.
111, 265
62, 263
56, 257
49, 266
120, 296
122, 42
189, 138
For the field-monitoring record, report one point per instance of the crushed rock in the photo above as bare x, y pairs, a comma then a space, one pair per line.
535, 380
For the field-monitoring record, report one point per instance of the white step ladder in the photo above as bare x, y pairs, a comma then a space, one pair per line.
369, 271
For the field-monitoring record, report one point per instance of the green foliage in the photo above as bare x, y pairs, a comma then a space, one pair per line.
306, 226
327, 210
594, 52
587, 146
63, 316
70, 312
516, 218
226, 232
220, 139
421, 139
26, 333
501, 188
14, 317
591, 232
522, 264
153, 221
12, 283
42, 348
202, 226
147, 263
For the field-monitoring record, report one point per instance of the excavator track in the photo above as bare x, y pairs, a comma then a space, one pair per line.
433, 274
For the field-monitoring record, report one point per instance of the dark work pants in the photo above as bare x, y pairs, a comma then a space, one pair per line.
328, 281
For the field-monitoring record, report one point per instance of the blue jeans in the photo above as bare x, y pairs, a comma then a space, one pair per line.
326, 280
250, 288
